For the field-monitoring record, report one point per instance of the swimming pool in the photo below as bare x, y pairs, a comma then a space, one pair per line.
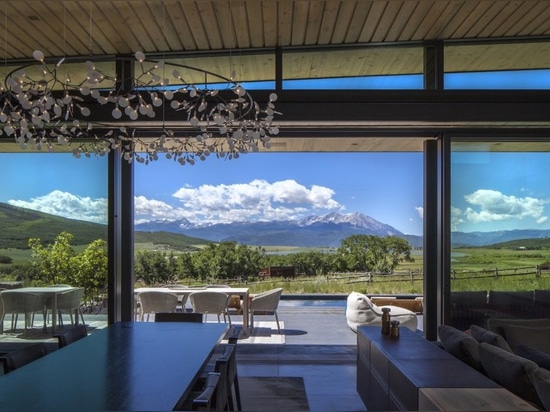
334, 303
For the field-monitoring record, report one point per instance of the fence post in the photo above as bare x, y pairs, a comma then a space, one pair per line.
496, 272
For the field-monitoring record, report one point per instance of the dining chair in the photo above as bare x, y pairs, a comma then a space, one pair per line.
70, 302
22, 357
208, 397
179, 317
265, 303
210, 302
71, 335
14, 303
155, 302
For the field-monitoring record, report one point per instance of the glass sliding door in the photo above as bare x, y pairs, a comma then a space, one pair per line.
53, 214
500, 231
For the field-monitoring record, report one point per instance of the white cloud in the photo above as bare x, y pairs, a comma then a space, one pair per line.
67, 205
257, 199
495, 206
420, 211
456, 218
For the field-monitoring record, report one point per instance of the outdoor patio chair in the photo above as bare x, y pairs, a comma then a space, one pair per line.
70, 302
234, 304
210, 302
15, 303
266, 303
156, 302
179, 317
22, 357
71, 335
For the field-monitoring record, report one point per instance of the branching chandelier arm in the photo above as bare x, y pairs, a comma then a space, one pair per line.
34, 113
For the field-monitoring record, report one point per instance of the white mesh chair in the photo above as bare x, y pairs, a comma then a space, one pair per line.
266, 303
70, 302
210, 302
155, 302
15, 303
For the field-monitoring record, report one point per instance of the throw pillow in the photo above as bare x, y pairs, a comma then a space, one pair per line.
497, 325
541, 380
510, 371
540, 358
535, 337
483, 335
461, 346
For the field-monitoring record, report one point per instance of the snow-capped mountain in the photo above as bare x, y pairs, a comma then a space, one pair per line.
326, 230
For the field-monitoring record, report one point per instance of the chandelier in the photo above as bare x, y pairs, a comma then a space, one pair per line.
41, 107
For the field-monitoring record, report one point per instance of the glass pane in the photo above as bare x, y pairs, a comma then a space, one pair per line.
243, 68
371, 68
488, 66
53, 213
499, 231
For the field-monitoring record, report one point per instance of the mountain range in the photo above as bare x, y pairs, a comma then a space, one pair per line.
314, 231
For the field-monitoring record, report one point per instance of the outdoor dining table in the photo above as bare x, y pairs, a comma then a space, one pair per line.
128, 366
49, 294
243, 293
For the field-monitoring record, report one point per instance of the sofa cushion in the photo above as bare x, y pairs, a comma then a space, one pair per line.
483, 335
535, 337
497, 325
540, 378
540, 358
460, 345
510, 371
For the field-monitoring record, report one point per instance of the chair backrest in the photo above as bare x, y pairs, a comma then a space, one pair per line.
21, 357
21, 302
208, 301
153, 301
70, 299
71, 335
179, 317
233, 334
229, 357
266, 301
211, 394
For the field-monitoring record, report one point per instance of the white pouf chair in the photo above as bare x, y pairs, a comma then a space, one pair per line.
361, 311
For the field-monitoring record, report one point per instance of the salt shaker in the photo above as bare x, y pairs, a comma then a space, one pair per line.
386, 318
394, 333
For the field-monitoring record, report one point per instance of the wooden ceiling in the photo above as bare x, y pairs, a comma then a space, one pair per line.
318, 38
115, 27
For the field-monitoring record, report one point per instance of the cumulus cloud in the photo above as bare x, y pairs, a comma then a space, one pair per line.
495, 206
67, 205
456, 218
420, 211
258, 199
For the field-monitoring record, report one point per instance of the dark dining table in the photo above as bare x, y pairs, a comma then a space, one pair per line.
128, 366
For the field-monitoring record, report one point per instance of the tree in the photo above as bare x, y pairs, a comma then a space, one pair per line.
155, 268
367, 253
58, 263
91, 270
54, 261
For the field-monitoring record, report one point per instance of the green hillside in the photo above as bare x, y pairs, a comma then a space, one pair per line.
19, 224
170, 241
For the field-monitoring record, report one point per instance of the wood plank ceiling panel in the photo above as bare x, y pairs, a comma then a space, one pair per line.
328, 22
299, 21
373, 20
357, 22
180, 25
105, 38
257, 29
386, 22
343, 21
314, 20
401, 21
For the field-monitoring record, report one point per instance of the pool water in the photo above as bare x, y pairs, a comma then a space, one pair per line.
313, 302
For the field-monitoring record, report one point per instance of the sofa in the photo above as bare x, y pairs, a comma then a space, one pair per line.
361, 311
514, 353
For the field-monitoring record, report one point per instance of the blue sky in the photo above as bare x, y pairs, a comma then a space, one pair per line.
500, 191
491, 191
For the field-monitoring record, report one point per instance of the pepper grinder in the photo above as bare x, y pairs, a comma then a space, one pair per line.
386, 318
